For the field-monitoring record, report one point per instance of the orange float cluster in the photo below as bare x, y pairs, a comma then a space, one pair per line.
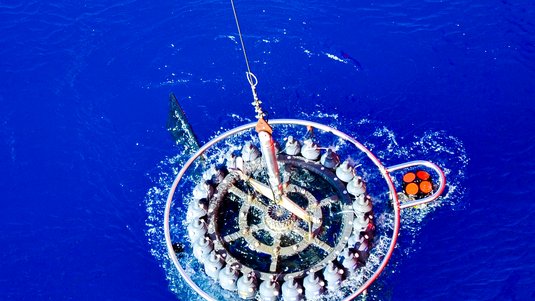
417, 184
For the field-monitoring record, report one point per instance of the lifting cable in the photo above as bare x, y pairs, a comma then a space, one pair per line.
251, 78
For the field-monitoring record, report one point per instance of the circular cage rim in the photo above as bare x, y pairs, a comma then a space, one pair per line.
328, 129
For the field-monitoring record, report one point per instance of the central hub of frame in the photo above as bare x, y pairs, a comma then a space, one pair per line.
278, 219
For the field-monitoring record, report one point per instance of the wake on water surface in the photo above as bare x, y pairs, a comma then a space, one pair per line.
436, 146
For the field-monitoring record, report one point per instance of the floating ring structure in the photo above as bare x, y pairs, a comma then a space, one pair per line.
246, 244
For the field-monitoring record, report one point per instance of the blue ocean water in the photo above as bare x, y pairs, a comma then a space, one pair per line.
83, 142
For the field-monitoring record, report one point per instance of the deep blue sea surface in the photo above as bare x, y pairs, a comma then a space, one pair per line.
85, 156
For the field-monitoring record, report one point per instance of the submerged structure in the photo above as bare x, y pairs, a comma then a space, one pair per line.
305, 237
286, 210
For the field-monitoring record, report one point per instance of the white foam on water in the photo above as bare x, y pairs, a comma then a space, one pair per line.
336, 58
229, 37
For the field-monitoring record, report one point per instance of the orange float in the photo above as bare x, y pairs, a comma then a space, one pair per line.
412, 189
426, 187
409, 177
417, 184
422, 175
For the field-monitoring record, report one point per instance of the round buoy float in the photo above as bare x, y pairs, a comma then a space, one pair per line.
409, 177
417, 184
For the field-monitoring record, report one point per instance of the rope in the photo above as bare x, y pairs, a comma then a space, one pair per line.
251, 78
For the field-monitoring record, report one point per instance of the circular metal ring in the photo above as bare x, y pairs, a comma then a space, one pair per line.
382, 169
